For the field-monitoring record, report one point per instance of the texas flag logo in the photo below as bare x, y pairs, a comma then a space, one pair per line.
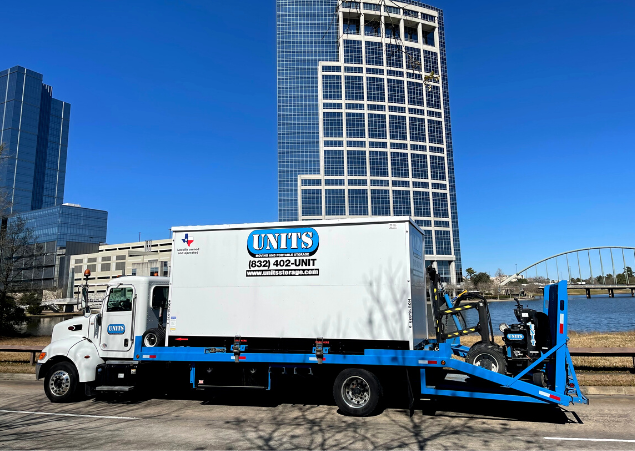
187, 240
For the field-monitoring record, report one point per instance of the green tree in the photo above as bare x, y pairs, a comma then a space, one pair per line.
33, 303
480, 278
469, 273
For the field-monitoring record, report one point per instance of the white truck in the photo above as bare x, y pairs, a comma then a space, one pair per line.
342, 300
309, 289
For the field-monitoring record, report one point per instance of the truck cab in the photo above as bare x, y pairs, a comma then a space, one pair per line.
85, 349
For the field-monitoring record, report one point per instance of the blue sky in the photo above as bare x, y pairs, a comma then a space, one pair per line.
174, 116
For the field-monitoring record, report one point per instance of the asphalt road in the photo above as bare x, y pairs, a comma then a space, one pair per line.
242, 419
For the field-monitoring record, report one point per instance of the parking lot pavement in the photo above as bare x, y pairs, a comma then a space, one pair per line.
242, 419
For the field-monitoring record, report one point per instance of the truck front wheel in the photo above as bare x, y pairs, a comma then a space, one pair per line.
61, 382
357, 392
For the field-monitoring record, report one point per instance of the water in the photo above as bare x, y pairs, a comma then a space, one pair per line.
598, 314
42, 326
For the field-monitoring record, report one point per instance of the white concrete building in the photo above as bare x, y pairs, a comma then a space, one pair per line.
145, 258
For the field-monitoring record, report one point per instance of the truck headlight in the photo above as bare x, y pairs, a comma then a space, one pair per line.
502, 327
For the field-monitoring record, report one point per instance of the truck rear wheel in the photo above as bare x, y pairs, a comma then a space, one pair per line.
153, 338
357, 392
61, 382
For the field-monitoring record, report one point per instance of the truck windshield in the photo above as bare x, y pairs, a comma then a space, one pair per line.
120, 300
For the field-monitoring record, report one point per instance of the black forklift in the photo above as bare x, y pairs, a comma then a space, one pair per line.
468, 313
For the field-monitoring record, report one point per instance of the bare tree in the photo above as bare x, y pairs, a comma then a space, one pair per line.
17, 253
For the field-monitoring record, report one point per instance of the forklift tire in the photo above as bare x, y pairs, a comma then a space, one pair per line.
153, 338
487, 356
357, 392
61, 383
539, 379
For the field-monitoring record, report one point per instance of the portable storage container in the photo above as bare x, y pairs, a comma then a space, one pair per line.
279, 286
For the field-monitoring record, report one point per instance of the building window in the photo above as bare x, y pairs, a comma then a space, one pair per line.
77, 269
120, 266
392, 30
440, 205
372, 28
332, 87
355, 125
401, 202
394, 56
354, 87
427, 242
419, 165
105, 266
374, 53
433, 97
378, 163
437, 167
79, 260
444, 245
358, 202
392, 9
396, 92
380, 202
335, 202
375, 89
333, 163
399, 165
356, 162
430, 61
334, 182
376, 126
410, 34
428, 38
415, 93
120, 257
417, 129
413, 59
435, 130
352, 52
311, 182
398, 128
134, 271
311, 202
165, 271
351, 26
421, 200
332, 124
372, 7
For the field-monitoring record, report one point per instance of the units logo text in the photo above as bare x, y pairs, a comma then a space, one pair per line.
300, 242
116, 329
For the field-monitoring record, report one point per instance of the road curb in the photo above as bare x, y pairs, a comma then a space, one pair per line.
601, 390
17, 377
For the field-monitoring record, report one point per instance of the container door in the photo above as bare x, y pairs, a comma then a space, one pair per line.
118, 319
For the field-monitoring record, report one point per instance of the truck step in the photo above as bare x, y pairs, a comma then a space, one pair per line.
119, 388
232, 386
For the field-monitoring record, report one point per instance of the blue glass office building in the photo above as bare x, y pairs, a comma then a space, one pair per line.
61, 232
34, 130
364, 117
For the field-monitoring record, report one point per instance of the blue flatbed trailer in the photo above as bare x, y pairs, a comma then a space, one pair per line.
562, 385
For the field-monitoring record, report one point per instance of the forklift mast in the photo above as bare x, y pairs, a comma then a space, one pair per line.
443, 306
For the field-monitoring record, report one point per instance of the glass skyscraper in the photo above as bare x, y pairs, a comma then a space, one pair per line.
364, 117
32, 175
34, 130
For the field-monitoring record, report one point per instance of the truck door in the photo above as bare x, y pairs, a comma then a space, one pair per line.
118, 319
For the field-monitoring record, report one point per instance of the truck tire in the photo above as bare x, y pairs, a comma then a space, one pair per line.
153, 338
487, 356
61, 382
357, 392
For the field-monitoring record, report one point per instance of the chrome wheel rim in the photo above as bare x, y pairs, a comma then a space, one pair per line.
356, 392
150, 341
60, 383
486, 361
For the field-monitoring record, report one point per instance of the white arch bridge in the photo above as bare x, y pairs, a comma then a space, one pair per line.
592, 268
